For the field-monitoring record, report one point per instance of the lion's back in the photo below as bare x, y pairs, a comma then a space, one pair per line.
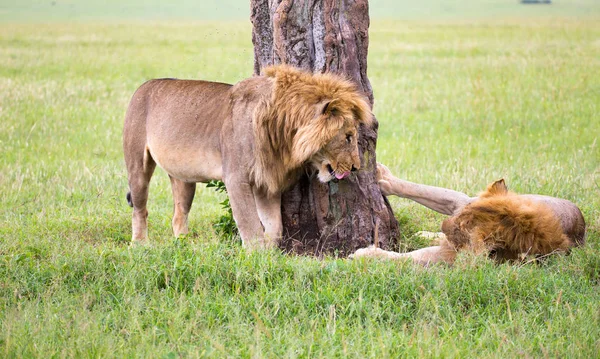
173, 99
179, 122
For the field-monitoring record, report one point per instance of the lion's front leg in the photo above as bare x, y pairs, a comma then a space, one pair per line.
375, 252
268, 207
444, 253
442, 200
245, 214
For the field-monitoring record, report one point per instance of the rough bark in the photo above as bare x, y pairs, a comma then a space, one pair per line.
326, 36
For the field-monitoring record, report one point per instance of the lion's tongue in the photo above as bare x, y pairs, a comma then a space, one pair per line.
343, 175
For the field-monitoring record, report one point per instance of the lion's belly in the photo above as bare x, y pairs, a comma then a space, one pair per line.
188, 164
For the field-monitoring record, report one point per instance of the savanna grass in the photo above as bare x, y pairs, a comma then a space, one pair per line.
460, 104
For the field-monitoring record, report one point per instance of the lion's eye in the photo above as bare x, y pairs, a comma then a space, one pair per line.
348, 138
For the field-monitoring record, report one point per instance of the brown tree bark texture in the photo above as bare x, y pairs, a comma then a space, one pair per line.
326, 36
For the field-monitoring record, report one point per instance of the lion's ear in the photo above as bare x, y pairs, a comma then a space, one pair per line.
497, 188
329, 107
363, 114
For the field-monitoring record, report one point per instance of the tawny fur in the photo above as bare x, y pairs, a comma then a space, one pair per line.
256, 136
506, 225
498, 223
304, 113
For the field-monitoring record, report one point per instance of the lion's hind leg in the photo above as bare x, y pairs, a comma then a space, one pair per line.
183, 196
140, 170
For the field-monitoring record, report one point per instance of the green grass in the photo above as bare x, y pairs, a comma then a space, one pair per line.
461, 102
116, 10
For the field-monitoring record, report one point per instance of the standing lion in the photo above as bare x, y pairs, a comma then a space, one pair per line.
256, 136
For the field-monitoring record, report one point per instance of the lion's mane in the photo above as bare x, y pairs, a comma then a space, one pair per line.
305, 111
507, 224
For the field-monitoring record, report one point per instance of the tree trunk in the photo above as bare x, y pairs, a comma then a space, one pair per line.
326, 36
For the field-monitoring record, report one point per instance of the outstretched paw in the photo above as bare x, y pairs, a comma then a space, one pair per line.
372, 252
385, 187
383, 173
384, 177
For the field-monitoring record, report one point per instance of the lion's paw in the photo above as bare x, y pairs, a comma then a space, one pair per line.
370, 252
385, 187
138, 243
383, 173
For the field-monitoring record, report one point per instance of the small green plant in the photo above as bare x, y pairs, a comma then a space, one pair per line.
225, 225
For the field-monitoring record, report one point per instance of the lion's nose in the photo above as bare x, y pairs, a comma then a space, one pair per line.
354, 169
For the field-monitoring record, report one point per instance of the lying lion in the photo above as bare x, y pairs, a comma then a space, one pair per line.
498, 223
256, 136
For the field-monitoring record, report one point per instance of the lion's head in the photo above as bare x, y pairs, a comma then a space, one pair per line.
310, 119
339, 156
506, 225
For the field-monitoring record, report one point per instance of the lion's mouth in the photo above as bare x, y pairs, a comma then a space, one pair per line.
335, 174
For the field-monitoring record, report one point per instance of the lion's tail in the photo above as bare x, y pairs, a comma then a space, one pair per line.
129, 202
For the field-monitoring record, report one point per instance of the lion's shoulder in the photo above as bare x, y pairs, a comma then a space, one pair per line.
253, 89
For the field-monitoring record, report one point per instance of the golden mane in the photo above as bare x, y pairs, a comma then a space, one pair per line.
507, 223
304, 113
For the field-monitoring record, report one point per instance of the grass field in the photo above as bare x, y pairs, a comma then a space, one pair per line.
507, 91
